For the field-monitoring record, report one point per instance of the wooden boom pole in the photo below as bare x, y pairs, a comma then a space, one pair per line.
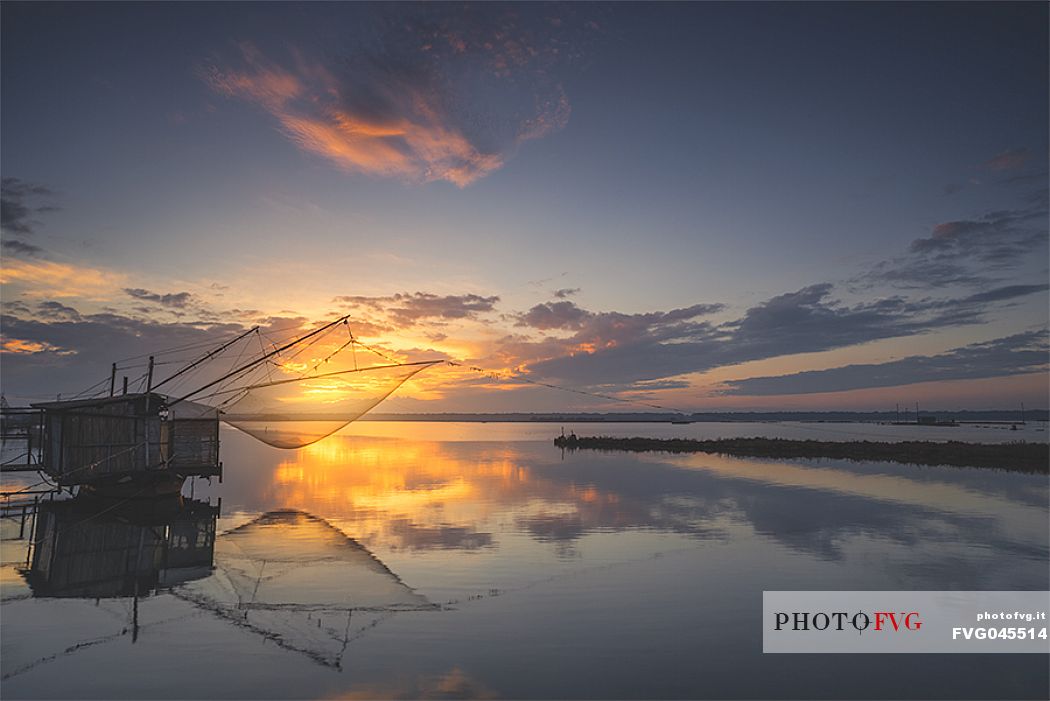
257, 361
207, 356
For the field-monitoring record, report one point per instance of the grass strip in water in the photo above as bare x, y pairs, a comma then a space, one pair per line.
1014, 457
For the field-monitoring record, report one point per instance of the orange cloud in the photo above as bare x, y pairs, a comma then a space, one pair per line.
418, 146
353, 150
407, 134
1008, 160
17, 345
47, 278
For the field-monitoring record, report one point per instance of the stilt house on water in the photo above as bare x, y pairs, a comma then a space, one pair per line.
135, 444
147, 443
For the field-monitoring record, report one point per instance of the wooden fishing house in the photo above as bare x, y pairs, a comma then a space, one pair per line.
139, 444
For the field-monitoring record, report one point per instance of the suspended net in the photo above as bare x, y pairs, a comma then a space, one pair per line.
293, 413
293, 392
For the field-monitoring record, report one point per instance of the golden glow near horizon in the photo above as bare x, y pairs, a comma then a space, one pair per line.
475, 340
527, 237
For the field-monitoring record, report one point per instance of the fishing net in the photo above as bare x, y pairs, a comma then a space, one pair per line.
295, 412
293, 391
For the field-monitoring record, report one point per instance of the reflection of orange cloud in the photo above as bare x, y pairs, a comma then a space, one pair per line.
454, 684
378, 482
393, 492
49, 279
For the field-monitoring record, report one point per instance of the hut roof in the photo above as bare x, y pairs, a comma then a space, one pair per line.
179, 410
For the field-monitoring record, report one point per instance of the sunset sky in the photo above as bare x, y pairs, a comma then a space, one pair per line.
702, 206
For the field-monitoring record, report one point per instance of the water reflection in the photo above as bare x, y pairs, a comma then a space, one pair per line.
110, 554
287, 576
300, 582
418, 496
368, 566
92, 548
429, 495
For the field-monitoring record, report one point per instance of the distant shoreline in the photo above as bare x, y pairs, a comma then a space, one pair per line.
1013, 457
963, 417
984, 416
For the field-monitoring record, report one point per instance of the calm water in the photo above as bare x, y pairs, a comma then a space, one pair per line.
470, 560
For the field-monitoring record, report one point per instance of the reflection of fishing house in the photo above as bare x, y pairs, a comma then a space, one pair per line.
134, 442
86, 549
